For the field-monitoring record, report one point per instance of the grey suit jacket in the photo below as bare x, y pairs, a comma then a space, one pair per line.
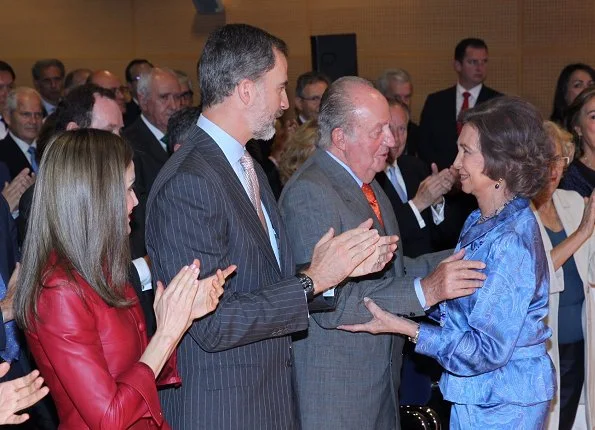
236, 364
347, 380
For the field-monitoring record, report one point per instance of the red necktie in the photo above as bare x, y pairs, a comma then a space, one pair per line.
464, 107
371, 198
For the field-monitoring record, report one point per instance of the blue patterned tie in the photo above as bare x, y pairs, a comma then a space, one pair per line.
33, 152
12, 350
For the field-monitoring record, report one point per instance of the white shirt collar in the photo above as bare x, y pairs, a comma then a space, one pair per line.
154, 130
23, 146
346, 167
474, 91
49, 107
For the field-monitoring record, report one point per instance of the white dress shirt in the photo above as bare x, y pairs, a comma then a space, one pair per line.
154, 131
24, 146
472, 99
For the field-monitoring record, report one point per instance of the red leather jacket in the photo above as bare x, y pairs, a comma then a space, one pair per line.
88, 354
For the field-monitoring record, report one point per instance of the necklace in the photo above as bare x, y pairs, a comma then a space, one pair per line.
484, 218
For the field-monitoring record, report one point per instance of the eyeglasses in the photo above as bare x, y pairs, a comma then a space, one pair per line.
565, 160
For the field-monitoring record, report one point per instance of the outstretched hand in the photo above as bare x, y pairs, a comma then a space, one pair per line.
382, 322
19, 394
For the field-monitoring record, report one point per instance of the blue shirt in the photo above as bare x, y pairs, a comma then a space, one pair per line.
233, 151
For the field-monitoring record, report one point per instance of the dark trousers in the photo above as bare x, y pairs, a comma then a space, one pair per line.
572, 376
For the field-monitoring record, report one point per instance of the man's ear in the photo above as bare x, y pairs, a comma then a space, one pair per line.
246, 91
457, 66
72, 126
338, 138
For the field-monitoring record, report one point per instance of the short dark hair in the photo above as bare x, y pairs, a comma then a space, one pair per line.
179, 126
69, 79
41, 65
462, 46
573, 116
5, 67
310, 78
135, 62
513, 142
232, 53
560, 105
77, 106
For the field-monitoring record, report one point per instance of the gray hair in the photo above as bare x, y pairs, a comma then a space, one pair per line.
383, 82
232, 53
12, 99
143, 87
337, 108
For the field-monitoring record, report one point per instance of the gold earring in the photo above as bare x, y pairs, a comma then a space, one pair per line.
497, 186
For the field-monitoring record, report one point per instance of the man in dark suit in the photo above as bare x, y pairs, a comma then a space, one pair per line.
48, 78
24, 115
440, 128
345, 380
133, 71
414, 190
158, 93
396, 83
212, 202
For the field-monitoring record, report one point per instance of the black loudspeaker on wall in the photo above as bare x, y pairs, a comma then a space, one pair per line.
335, 55
208, 6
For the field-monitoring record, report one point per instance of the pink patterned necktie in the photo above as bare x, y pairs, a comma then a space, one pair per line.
253, 187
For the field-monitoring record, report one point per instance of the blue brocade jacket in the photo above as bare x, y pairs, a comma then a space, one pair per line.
492, 343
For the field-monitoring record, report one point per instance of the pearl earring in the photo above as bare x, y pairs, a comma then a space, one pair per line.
497, 186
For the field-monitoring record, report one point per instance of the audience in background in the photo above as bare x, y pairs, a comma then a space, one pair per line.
580, 176
573, 79
23, 115
186, 93
75, 78
308, 91
566, 224
396, 83
440, 127
7, 78
109, 81
132, 73
48, 78
158, 92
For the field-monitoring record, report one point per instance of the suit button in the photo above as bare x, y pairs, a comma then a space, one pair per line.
411, 314
288, 363
141, 326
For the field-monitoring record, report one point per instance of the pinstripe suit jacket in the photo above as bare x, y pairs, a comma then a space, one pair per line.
348, 380
236, 364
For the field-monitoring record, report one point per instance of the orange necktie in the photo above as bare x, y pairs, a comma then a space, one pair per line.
464, 107
371, 198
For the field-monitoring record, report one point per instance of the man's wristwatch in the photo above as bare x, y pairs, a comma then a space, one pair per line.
307, 285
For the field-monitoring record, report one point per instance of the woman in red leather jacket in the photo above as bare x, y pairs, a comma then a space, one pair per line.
84, 327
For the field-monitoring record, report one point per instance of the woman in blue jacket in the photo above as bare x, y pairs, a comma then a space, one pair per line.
492, 343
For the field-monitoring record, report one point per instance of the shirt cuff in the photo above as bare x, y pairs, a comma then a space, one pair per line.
438, 212
420, 293
144, 273
420, 220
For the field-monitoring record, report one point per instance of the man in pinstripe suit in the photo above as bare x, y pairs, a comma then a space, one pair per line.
345, 380
210, 202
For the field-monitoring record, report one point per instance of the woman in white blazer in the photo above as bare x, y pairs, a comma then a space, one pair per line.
566, 222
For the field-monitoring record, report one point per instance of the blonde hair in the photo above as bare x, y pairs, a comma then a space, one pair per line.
561, 136
297, 149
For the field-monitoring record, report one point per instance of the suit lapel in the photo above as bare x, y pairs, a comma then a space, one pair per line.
347, 187
237, 195
153, 148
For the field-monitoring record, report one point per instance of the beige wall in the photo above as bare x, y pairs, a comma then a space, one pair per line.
529, 41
